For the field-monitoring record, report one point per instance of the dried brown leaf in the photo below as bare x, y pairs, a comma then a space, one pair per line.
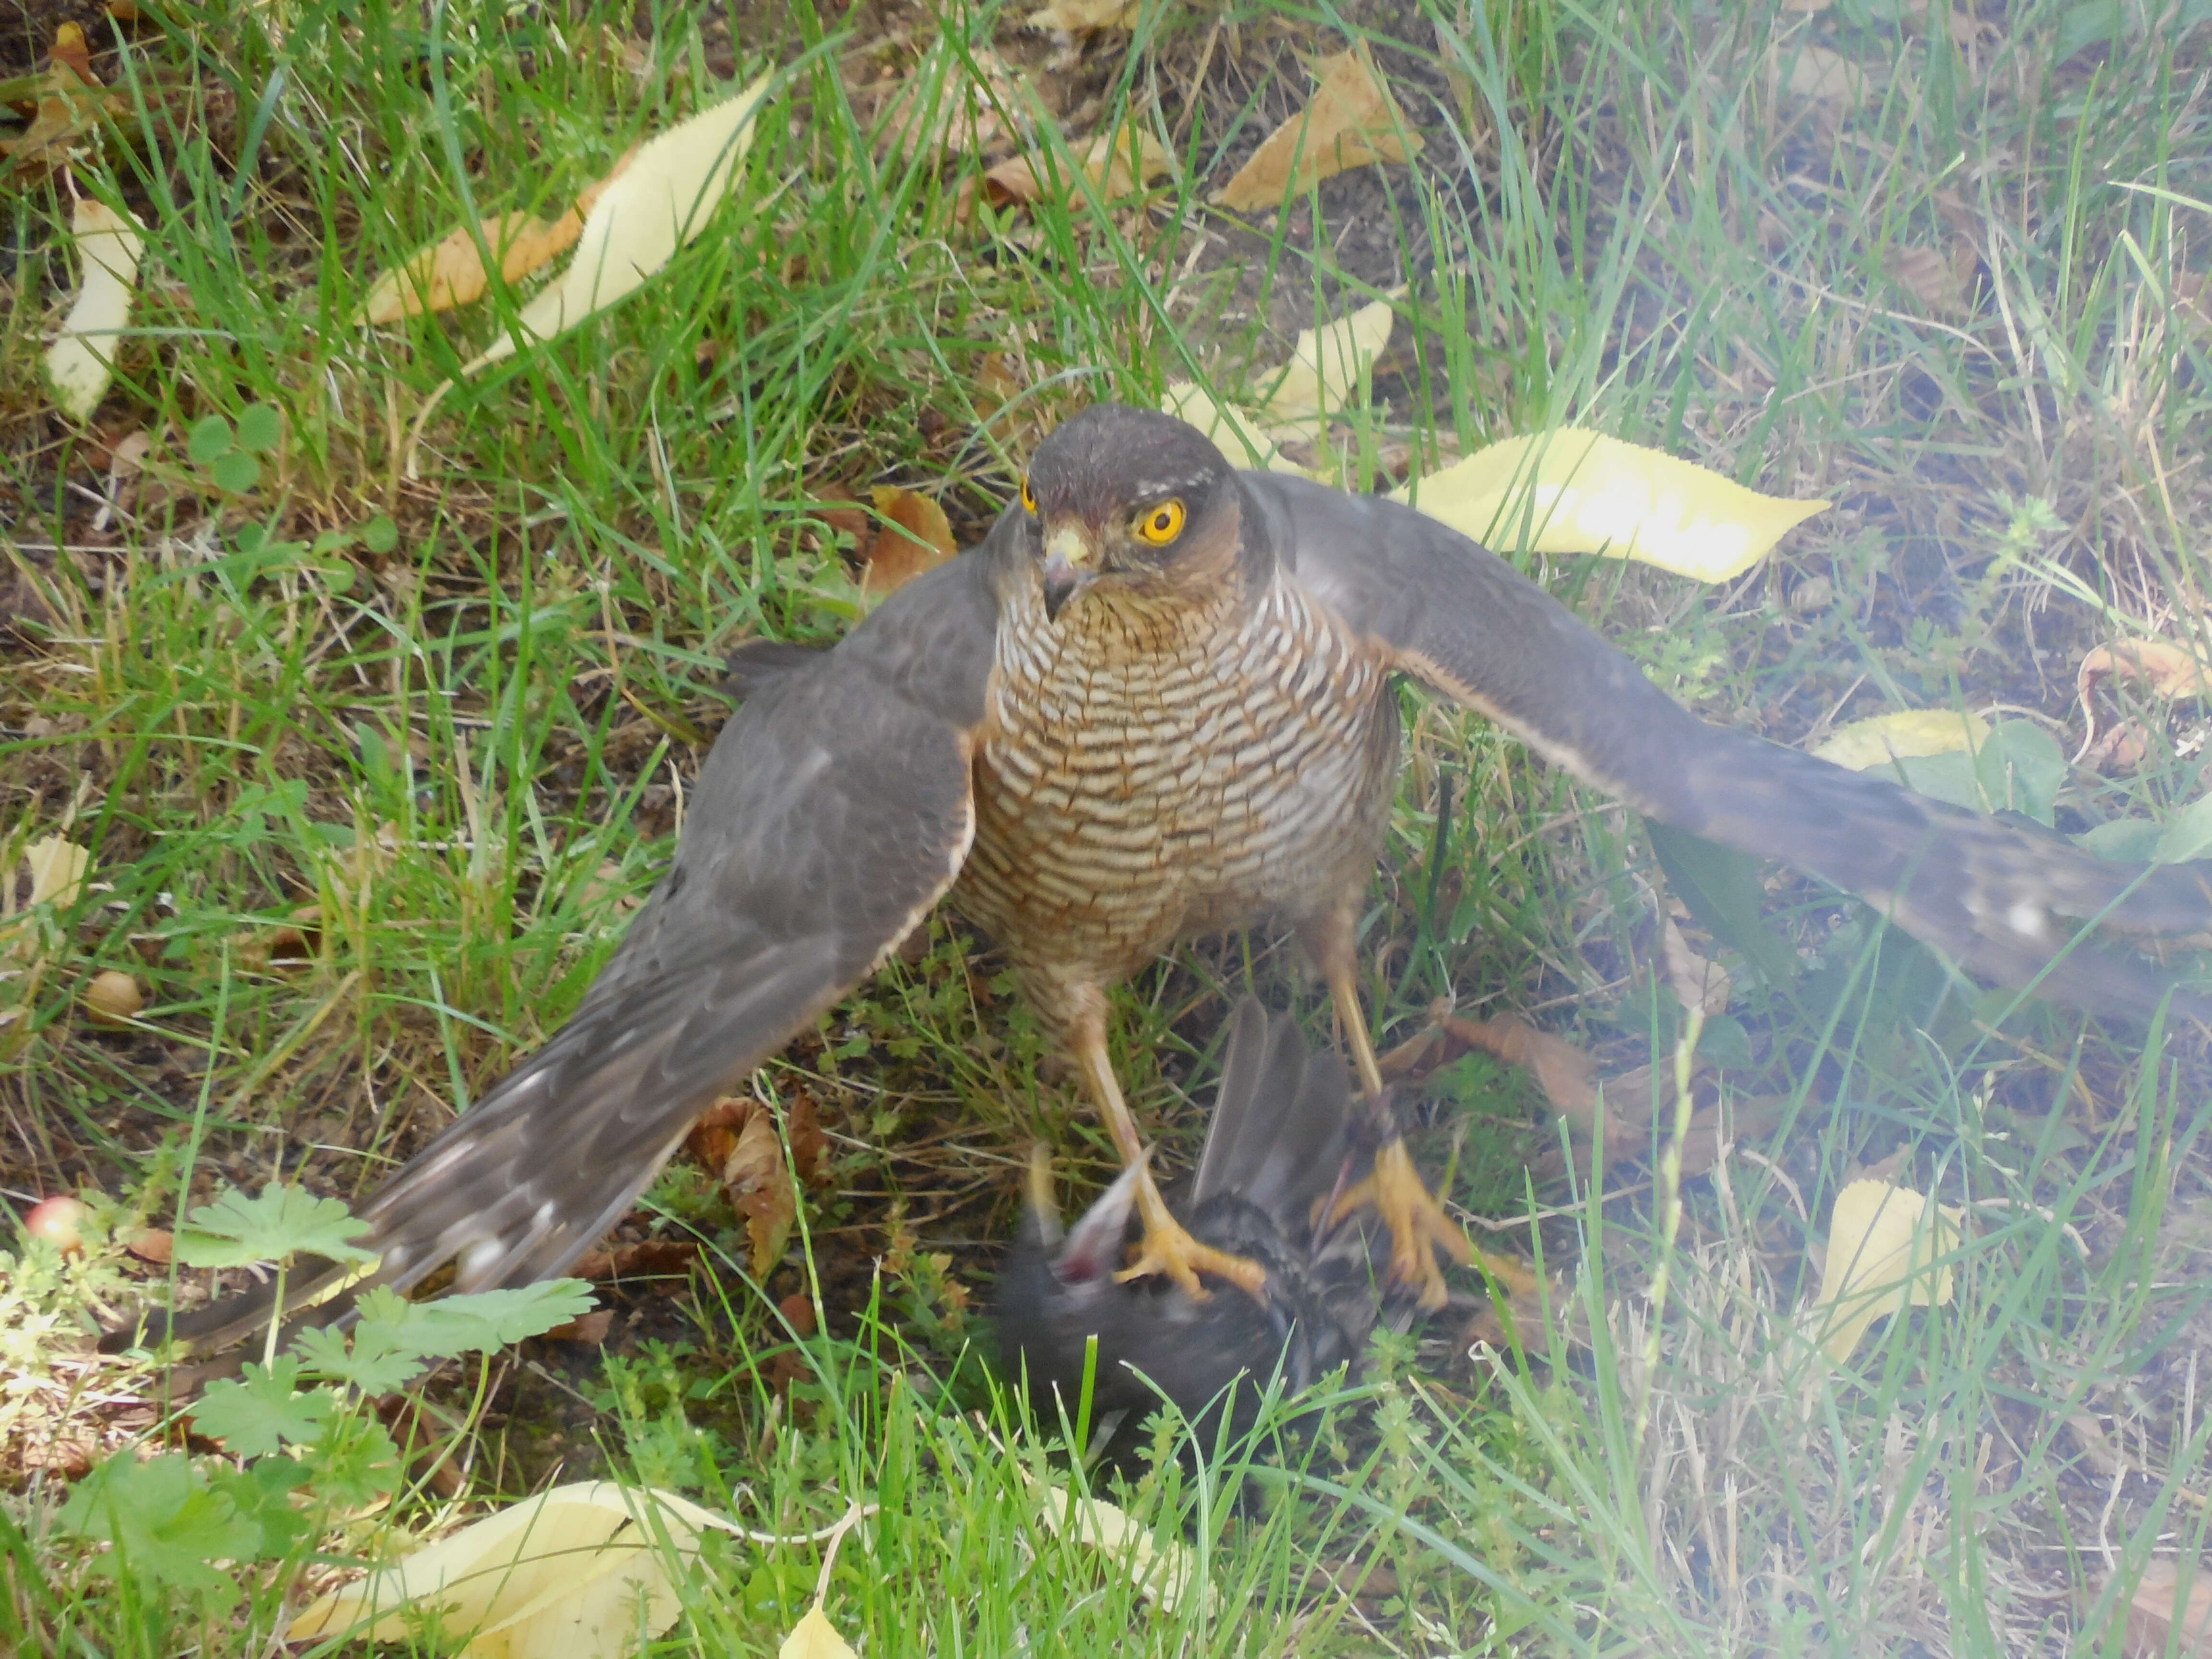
916, 537
450, 272
589, 1329
2161, 1620
1566, 1074
1697, 983
2169, 671
1116, 163
713, 1136
289, 945
760, 1190
957, 113
1351, 121
810, 1147
649, 1257
1827, 77
70, 107
1930, 275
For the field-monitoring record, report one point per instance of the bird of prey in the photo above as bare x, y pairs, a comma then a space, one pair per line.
1155, 700
1283, 1144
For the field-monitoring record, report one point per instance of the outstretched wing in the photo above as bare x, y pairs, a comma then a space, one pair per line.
1984, 892
833, 813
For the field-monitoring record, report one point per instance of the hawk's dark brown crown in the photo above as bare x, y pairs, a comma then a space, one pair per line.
1110, 460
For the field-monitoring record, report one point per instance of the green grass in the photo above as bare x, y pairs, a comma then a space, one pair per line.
466, 754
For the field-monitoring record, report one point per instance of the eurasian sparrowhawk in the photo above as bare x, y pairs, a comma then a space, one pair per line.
1158, 699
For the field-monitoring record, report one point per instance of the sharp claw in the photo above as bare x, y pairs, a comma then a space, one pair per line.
1420, 1228
1167, 1248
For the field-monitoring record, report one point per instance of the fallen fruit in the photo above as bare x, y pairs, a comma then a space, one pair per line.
59, 1221
113, 998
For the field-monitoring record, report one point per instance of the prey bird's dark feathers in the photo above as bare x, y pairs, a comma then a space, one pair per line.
1285, 1137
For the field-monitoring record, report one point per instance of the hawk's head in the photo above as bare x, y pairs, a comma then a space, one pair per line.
1129, 499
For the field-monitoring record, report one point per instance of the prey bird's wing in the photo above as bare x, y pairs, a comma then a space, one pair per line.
1984, 892
833, 811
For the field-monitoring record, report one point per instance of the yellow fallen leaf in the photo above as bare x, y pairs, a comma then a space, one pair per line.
1235, 431
1885, 1244
1323, 373
1572, 491
1115, 163
1077, 16
1162, 1572
1351, 121
82, 360
450, 272
1910, 734
814, 1638
663, 198
578, 1571
57, 866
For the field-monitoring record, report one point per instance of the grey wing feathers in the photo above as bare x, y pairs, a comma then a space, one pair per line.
1280, 1128
832, 814
1984, 892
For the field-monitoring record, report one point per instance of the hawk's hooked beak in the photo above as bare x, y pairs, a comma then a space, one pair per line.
1070, 561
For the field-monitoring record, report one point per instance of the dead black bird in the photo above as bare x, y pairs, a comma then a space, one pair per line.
1287, 1137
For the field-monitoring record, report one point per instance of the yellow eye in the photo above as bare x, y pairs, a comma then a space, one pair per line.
1029, 501
1161, 525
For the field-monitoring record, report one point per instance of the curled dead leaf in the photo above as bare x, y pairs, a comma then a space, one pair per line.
1351, 121
760, 1190
2169, 670
1697, 984
714, 1135
450, 272
70, 105
914, 537
290, 945
810, 1147
649, 1257
1116, 163
588, 1330
2164, 669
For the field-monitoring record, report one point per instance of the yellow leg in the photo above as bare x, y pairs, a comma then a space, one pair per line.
1167, 1247
1419, 1226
